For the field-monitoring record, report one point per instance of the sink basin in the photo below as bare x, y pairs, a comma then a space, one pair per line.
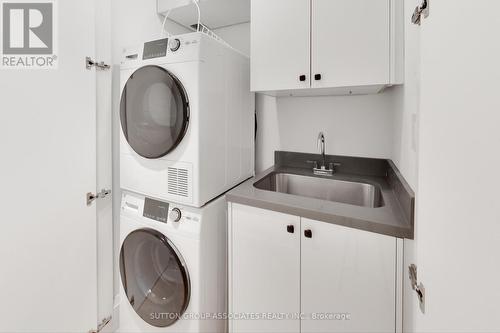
353, 193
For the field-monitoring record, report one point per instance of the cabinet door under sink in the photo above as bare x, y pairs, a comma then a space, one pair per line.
347, 271
264, 266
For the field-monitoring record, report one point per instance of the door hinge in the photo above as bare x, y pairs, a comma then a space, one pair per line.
91, 197
89, 63
418, 287
422, 10
103, 324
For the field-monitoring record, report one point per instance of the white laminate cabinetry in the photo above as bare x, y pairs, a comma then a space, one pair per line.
340, 46
316, 269
264, 269
280, 42
347, 271
350, 43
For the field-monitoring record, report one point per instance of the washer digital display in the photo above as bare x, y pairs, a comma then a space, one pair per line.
155, 210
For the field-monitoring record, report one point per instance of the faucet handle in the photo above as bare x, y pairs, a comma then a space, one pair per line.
314, 163
333, 165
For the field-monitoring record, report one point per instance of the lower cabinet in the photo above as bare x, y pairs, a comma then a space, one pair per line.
349, 277
264, 272
290, 274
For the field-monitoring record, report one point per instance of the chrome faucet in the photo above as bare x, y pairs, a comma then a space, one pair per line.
322, 169
321, 148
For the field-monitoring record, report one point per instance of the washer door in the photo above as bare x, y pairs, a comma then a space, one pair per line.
154, 111
155, 277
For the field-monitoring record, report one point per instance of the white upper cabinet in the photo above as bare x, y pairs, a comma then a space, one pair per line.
280, 38
334, 46
350, 43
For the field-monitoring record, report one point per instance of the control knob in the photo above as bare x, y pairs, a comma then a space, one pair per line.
175, 214
174, 44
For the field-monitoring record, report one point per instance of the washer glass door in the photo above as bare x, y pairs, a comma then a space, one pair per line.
154, 111
154, 277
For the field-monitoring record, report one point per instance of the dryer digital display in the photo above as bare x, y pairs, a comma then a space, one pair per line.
155, 49
155, 210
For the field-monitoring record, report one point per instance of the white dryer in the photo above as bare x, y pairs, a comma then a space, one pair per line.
187, 119
172, 266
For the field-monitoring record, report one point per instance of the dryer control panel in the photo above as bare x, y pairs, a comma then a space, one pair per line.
155, 49
175, 49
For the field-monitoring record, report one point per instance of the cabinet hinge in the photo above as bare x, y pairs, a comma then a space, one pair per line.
89, 63
422, 10
103, 324
418, 287
91, 197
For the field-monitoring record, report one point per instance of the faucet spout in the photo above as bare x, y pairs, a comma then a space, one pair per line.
321, 168
321, 148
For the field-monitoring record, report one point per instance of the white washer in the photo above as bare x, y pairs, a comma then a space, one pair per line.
187, 118
172, 272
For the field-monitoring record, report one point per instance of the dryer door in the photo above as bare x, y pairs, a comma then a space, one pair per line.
155, 277
154, 111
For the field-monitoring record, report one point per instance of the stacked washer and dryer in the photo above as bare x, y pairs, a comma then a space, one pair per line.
187, 137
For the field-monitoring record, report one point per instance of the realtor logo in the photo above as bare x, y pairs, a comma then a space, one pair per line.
28, 32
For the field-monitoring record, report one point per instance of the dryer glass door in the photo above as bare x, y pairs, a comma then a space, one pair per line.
155, 277
154, 111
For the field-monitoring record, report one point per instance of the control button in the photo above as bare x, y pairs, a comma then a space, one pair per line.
175, 214
174, 44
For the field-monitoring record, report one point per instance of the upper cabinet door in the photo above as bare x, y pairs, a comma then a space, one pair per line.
347, 271
280, 37
350, 43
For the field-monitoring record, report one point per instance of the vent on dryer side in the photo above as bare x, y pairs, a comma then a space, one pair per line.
178, 182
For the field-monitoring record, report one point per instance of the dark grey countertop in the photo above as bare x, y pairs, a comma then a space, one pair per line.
395, 218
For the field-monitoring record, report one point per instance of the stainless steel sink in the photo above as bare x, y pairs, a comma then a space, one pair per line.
353, 193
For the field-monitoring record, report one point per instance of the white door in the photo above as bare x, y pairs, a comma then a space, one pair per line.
280, 44
458, 218
349, 276
350, 43
264, 270
48, 148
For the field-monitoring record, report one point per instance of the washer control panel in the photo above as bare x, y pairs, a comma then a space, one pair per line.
160, 211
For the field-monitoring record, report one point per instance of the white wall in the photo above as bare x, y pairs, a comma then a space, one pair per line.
406, 101
353, 125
